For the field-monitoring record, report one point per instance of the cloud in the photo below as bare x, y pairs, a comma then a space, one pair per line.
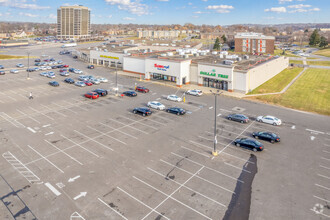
220, 8
189, 3
134, 7
109, 16
314, 9
128, 19
285, 1
22, 5
299, 6
195, 16
162, 0
276, 9
204, 0
28, 15
300, 10
52, 16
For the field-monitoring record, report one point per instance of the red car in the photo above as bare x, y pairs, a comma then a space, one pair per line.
63, 70
141, 89
92, 95
88, 83
65, 65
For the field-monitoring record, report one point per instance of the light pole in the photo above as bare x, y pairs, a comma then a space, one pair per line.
116, 81
28, 70
214, 152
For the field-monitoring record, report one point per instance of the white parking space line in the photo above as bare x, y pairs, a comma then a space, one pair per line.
209, 168
53, 189
325, 158
322, 186
225, 110
224, 130
118, 130
140, 122
11, 120
128, 125
237, 167
118, 213
30, 129
328, 145
141, 202
214, 184
325, 167
46, 159
157, 115
321, 132
205, 155
41, 113
51, 110
109, 148
325, 151
79, 145
64, 153
7, 96
320, 213
170, 195
63, 107
106, 135
188, 188
209, 147
28, 116
322, 199
323, 176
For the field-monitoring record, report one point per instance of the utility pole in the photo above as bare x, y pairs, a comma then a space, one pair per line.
214, 152
116, 80
28, 70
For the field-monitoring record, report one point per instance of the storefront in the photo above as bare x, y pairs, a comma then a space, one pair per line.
217, 77
157, 76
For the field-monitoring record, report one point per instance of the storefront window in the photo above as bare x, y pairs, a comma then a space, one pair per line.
214, 83
158, 76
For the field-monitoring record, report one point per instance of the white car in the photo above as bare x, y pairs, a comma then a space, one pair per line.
83, 78
103, 80
51, 75
43, 68
174, 98
269, 120
195, 92
48, 67
14, 71
64, 74
43, 74
77, 71
95, 81
156, 105
19, 65
79, 83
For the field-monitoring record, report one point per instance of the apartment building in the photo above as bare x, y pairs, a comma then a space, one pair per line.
254, 43
73, 22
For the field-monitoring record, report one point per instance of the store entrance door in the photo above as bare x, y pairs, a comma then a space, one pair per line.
184, 80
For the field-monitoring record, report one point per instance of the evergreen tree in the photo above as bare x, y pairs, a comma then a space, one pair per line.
216, 44
323, 42
314, 38
224, 39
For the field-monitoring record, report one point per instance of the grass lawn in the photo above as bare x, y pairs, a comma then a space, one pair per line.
287, 53
4, 57
323, 52
311, 92
278, 82
296, 61
319, 63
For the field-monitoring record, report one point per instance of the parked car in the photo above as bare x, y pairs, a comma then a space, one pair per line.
63, 70
267, 136
30, 70
103, 80
75, 57
42, 68
54, 83
92, 95
51, 75
69, 80
238, 117
2, 67
14, 71
83, 78
19, 65
144, 111
77, 71
156, 105
174, 98
51, 59
43, 74
64, 74
176, 110
60, 66
2, 72
79, 83
95, 81
130, 93
249, 143
54, 67
269, 120
88, 83
101, 92
37, 60
90, 67
195, 92
66, 65
141, 89
71, 69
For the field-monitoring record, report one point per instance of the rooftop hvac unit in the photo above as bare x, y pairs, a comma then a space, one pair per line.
113, 46
163, 55
125, 51
196, 54
221, 56
181, 53
239, 59
203, 53
169, 54
132, 41
214, 52
246, 57
186, 56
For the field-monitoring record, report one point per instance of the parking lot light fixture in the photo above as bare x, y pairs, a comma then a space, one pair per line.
214, 152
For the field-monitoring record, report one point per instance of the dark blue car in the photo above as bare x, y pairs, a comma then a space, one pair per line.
249, 144
144, 111
130, 93
176, 110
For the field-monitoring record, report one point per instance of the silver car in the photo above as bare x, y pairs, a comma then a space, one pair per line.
14, 71
80, 84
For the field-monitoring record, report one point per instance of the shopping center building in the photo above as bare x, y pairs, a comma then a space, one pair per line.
183, 65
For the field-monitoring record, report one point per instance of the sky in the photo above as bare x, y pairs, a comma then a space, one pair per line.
162, 12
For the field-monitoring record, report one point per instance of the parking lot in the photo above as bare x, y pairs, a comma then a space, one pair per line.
68, 157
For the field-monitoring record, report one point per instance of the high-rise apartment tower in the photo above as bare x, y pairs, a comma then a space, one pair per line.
73, 22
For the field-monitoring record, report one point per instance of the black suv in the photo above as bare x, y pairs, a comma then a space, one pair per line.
144, 111
101, 92
238, 117
267, 136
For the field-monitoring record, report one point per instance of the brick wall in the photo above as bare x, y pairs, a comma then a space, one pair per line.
270, 46
239, 45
